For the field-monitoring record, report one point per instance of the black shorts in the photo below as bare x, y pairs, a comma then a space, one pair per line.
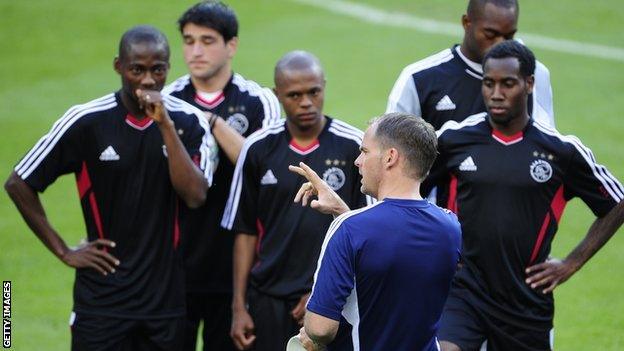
274, 324
93, 333
468, 323
215, 310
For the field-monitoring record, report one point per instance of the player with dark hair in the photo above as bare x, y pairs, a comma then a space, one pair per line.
210, 33
385, 270
511, 177
134, 153
278, 243
447, 86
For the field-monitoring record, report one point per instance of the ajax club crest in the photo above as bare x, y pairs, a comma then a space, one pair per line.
541, 171
334, 177
238, 122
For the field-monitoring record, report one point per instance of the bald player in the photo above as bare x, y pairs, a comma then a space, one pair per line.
447, 86
277, 242
135, 154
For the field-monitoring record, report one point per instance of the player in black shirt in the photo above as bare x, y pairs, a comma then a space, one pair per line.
210, 34
511, 177
134, 154
278, 242
447, 86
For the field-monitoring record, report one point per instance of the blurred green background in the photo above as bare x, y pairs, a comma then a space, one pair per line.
58, 53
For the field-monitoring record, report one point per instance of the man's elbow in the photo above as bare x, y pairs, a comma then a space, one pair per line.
322, 334
197, 197
11, 185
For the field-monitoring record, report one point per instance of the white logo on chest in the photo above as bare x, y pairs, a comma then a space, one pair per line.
445, 104
109, 154
541, 171
334, 177
468, 165
268, 178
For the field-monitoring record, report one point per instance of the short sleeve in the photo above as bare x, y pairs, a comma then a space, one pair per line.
56, 153
590, 181
335, 276
240, 210
404, 96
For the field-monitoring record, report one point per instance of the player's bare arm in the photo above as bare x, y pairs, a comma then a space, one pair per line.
186, 178
318, 331
327, 201
89, 255
242, 330
554, 272
228, 139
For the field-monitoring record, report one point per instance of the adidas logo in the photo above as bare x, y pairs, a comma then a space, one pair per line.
445, 104
468, 165
109, 154
268, 178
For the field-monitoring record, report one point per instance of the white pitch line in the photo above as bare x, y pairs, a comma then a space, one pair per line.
398, 19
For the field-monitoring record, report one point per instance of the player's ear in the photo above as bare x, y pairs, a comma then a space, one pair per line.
391, 157
530, 83
465, 20
232, 46
117, 64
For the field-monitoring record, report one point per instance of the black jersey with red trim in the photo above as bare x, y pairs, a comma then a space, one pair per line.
447, 87
509, 194
207, 247
261, 202
126, 195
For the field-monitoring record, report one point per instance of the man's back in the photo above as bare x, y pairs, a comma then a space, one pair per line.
387, 270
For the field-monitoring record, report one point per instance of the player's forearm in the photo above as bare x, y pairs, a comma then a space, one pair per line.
186, 178
228, 139
321, 330
599, 233
28, 204
244, 254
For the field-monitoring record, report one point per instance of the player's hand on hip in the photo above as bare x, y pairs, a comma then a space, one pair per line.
299, 311
242, 331
549, 274
327, 200
92, 254
152, 103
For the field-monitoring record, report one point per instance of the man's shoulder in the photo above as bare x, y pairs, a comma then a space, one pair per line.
260, 138
470, 124
87, 112
344, 131
177, 86
431, 64
181, 112
255, 92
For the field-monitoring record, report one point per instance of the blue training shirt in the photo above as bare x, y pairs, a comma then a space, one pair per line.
386, 270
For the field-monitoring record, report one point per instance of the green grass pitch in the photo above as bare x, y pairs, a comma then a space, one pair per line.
58, 53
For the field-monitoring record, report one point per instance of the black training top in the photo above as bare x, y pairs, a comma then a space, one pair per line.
509, 193
126, 195
207, 247
261, 202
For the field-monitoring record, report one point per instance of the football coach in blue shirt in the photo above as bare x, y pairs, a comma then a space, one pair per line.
385, 270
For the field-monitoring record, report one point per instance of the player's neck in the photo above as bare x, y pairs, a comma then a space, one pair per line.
514, 126
215, 83
132, 105
399, 187
305, 137
469, 55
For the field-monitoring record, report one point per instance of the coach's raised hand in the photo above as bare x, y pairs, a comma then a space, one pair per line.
327, 201
92, 254
151, 102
